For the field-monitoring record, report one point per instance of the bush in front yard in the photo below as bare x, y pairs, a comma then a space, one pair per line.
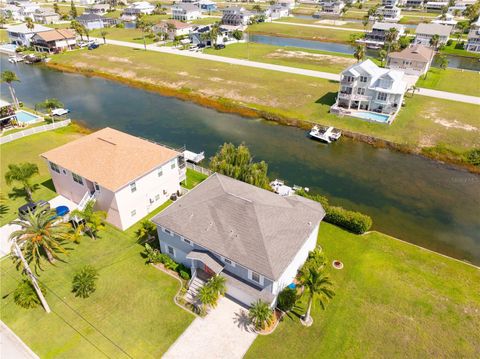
84, 282
25, 295
286, 299
184, 275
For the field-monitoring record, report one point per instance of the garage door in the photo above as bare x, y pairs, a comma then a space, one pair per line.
239, 295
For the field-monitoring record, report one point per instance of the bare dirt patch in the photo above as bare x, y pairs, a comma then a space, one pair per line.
308, 56
455, 124
122, 60
332, 22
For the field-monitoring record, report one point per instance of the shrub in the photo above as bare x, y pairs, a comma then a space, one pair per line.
286, 299
170, 264
260, 314
25, 295
473, 157
449, 42
184, 275
355, 222
83, 284
153, 255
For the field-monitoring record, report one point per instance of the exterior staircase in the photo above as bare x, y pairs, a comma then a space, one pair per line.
86, 198
195, 284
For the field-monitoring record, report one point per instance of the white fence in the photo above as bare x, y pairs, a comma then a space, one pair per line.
200, 169
33, 130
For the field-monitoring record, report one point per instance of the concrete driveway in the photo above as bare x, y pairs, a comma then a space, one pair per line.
224, 333
11, 346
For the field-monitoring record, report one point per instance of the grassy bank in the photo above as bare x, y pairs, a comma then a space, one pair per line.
451, 80
393, 300
423, 122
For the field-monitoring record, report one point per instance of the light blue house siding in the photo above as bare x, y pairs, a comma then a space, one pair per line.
181, 248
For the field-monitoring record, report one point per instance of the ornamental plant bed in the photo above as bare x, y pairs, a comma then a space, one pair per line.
276, 318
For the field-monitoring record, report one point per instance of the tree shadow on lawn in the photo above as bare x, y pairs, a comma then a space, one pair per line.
21, 193
3, 210
49, 184
328, 99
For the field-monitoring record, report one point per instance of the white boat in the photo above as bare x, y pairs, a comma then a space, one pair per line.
281, 188
60, 111
326, 134
14, 59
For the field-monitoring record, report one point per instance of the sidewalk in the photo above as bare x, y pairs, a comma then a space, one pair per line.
11, 346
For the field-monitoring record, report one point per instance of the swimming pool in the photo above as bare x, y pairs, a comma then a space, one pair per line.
26, 117
377, 117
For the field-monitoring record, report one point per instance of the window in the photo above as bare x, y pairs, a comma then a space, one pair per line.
54, 167
77, 178
382, 96
157, 197
133, 187
255, 277
133, 213
361, 91
171, 251
187, 241
363, 78
160, 172
228, 261
167, 231
172, 166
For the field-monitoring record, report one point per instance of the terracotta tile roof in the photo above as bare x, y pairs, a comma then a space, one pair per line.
178, 24
56, 34
111, 158
417, 53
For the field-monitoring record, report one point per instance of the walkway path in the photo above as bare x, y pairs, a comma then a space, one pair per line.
223, 333
292, 70
11, 346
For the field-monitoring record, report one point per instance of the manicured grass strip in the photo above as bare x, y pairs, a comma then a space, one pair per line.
452, 80
393, 300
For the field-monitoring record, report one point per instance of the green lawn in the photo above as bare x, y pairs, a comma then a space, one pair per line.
114, 33
205, 21
453, 50
320, 34
287, 56
22, 150
3, 36
422, 122
193, 178
336, 22
464, 82
393, 300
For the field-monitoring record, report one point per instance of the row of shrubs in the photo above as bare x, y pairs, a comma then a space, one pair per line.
352, 221
154, 256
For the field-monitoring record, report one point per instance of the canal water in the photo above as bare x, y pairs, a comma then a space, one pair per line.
456, 62
409, 197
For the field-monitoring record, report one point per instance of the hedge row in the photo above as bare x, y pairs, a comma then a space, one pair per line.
352, 221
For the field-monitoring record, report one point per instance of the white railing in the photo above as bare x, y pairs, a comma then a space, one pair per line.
86, 198
32, 131
198, 168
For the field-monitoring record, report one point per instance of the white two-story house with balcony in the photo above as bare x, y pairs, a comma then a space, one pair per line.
365, 87
127, 177
473, 42
256, 239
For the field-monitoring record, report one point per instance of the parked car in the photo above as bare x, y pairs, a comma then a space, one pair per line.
93, 46
219, 46
31, 206
201, 46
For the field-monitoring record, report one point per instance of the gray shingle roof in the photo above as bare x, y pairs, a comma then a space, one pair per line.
255, 228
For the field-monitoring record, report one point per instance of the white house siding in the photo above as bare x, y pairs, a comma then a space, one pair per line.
152, 191
66, 186
289, 274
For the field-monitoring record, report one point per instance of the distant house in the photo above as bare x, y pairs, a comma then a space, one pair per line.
27, 9
127, 177
199, 36
54, 40
137, 8
185, 12
21, 34
332, 8
207, 5
11, 11
98, 9
389, 2
236, 16
377, 36
436, 5
46, 16
276, 12
255, 239
445, 19
414, 3
473, 42
287, 3
425, 32
389, 13
93, 21
367, 87
178, 28
414, 60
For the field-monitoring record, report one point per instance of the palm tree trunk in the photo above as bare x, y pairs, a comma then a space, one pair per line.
49, 255
307, 318
28, 192
32, 278
14, 97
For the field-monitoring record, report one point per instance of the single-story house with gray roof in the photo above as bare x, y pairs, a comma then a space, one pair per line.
254, 238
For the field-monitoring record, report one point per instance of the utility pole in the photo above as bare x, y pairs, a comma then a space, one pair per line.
32, 277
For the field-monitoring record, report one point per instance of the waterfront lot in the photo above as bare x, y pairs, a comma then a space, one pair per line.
452, 80
423, 121
393, 300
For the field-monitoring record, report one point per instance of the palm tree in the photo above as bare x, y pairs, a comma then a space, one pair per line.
83, 284
41, 235
22, 173
215, 28
318, 286
365, 22
73, 10
29, 23
391, 38
91, 221
86, 31
50, 104
443, 62
434, 40
218, 285
260, 314
382, 55
56, 8
145, 26
359, 53
207, 297
414, 89
8, 77
104, 34
77, 27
